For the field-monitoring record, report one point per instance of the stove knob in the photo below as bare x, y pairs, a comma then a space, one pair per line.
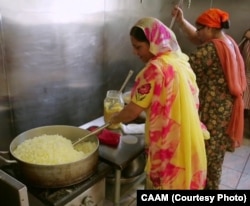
87, 201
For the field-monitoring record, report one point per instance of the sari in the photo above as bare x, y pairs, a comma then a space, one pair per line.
166, 87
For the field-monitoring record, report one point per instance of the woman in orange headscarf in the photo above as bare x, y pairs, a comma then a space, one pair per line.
220, 73
166, 90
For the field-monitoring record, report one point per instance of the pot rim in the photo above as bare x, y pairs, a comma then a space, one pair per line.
51, 165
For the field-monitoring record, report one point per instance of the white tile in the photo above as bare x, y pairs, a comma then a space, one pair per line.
242, 151
234, 161
230, 177
247, 167
224, 187
244, 183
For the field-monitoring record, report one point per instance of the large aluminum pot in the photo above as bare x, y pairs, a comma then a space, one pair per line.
55, 176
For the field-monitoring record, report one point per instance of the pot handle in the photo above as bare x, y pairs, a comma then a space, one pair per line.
6, 160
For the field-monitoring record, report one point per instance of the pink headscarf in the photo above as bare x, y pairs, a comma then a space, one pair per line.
161, 38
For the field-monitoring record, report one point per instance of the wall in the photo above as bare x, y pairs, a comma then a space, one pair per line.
52, 62
58, 58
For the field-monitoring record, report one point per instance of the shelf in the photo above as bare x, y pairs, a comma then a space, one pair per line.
125, 188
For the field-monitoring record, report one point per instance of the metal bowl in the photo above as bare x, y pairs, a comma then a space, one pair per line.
135, 168
132, 171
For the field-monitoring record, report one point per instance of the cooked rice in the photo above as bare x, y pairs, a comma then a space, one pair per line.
51, 150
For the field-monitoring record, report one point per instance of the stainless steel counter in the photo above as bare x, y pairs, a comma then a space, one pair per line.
129, 147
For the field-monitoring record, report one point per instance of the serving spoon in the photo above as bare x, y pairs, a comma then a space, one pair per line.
130, 73
91, 133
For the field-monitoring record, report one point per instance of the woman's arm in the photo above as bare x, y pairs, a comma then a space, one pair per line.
130, 112
186, 27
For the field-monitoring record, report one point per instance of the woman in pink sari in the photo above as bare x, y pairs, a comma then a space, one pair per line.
166, 90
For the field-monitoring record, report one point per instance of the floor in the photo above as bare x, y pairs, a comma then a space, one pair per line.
235, 173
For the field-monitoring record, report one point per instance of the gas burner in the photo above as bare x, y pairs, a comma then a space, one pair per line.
64, 195
57, 196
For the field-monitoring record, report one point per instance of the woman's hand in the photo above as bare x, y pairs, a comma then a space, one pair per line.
114, 119
177, 13
247, 34
185, 26
130, 112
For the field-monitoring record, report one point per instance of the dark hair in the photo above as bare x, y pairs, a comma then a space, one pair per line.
138, 34
225, 24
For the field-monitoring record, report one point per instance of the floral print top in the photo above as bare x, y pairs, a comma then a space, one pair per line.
216, 102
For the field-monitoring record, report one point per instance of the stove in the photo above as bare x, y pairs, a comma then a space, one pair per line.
87, 192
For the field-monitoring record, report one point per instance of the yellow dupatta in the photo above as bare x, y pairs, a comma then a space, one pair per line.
176, 150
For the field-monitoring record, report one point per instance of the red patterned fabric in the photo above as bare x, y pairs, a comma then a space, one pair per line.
107, 137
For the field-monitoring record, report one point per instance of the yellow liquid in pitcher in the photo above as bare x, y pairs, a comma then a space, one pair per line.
109, 110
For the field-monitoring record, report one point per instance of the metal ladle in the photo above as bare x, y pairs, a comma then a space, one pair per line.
91, 133
126, 80
174, 17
